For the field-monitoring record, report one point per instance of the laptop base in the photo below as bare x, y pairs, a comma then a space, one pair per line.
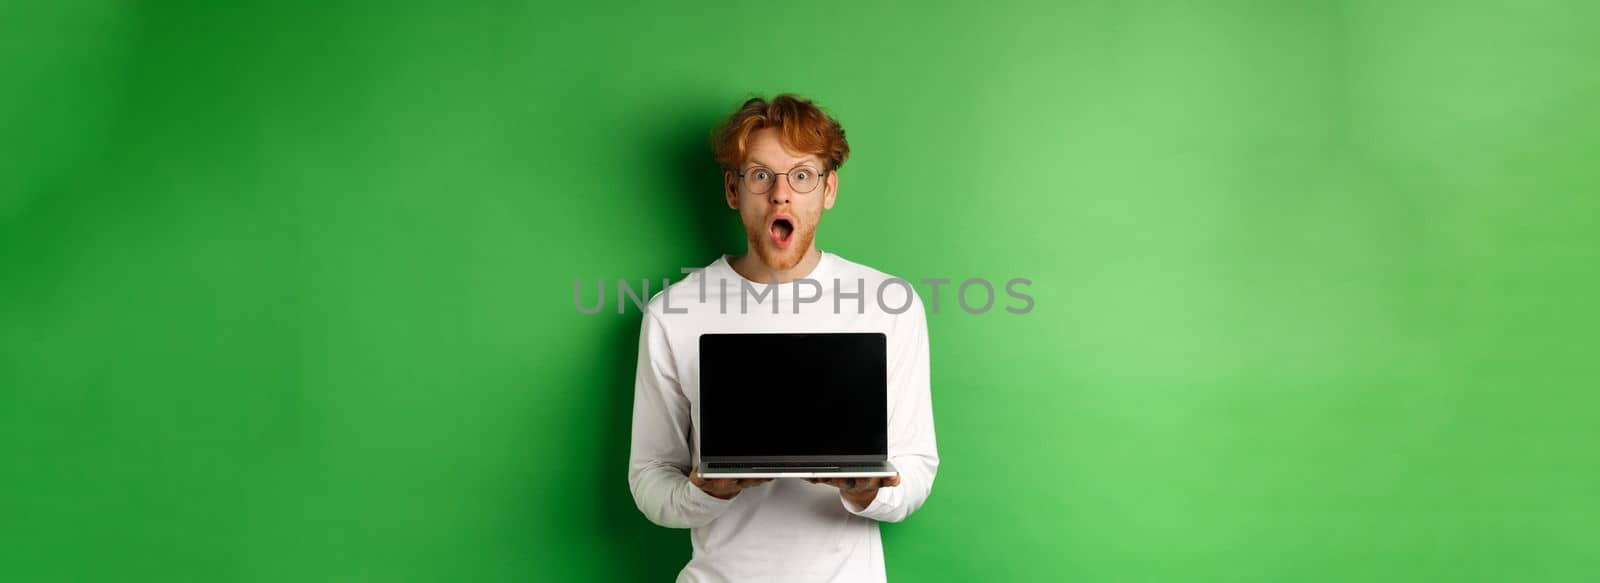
853, 470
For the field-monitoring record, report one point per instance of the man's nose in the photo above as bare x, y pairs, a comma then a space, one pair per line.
780, 193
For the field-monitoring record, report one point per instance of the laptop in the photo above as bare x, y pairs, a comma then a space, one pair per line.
794, 405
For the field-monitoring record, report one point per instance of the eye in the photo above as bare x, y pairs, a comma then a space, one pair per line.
761, 174
802, 174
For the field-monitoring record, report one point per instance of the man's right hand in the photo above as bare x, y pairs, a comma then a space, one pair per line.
724, 488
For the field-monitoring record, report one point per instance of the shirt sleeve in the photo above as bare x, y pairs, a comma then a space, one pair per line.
660, 454
912, 447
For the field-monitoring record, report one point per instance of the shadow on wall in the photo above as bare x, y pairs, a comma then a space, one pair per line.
679, 138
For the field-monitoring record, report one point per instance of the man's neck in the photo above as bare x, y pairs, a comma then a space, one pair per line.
752, 268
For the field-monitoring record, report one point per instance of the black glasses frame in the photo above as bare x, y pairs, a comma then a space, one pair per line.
821, 174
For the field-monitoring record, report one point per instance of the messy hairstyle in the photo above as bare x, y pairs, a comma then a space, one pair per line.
802, 127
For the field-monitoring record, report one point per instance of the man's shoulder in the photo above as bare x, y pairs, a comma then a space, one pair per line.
892, 288
690, 288
845, 268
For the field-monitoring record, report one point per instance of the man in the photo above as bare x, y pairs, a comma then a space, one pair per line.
780, 161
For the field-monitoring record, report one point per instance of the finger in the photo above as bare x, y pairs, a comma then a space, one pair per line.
858, 485
892, 481
694, 478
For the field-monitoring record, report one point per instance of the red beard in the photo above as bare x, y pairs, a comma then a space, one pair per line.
780, 259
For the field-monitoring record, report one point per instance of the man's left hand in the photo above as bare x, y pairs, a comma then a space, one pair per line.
859, 491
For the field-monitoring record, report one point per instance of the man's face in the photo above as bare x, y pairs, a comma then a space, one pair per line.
780, 224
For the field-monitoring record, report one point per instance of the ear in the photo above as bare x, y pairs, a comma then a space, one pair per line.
730, 189
830, 189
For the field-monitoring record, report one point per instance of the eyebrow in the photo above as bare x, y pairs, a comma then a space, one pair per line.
766, 165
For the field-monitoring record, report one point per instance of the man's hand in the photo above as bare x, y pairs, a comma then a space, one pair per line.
724, 488
859, 491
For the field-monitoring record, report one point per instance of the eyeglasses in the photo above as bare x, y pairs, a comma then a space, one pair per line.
802, 179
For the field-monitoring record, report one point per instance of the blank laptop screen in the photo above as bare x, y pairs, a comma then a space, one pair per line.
793, 394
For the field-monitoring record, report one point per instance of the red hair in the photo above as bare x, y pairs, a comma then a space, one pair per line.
802, 127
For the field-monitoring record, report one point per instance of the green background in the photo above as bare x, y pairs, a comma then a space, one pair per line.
286, 288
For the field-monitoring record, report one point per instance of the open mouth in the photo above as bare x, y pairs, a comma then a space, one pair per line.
782, 229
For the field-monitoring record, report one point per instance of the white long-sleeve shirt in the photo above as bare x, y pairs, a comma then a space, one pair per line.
787, 529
